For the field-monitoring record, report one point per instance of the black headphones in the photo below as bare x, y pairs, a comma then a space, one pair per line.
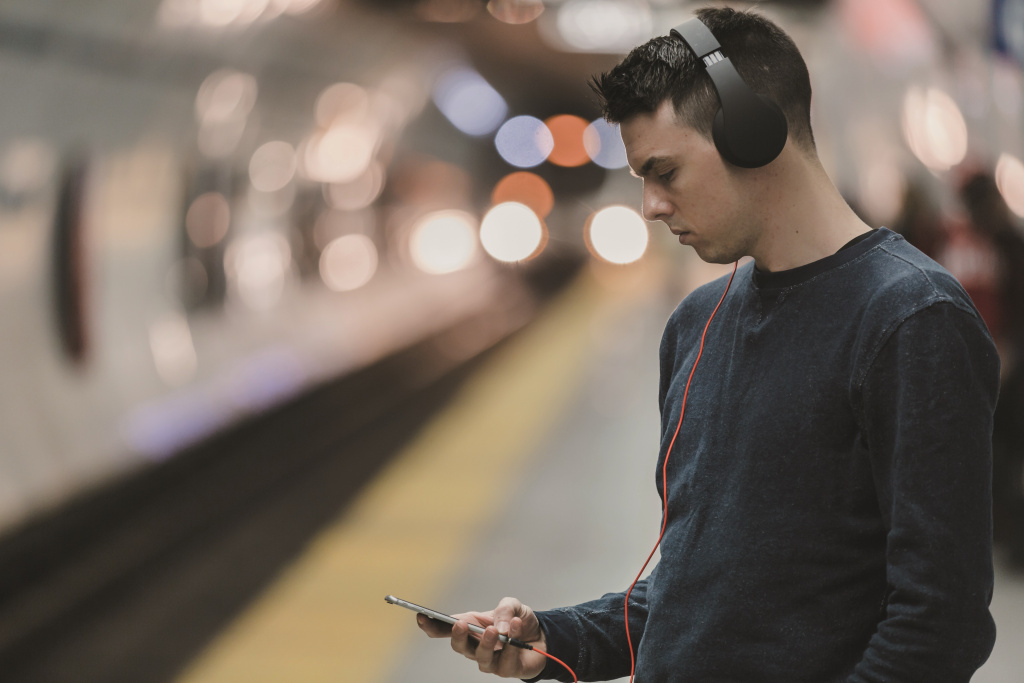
749, 130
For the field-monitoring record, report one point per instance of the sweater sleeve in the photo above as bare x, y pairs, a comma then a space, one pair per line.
928, 399
591, 637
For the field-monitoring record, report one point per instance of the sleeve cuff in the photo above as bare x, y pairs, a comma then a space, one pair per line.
560, 635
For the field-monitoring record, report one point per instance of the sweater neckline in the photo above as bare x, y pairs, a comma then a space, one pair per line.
768, 280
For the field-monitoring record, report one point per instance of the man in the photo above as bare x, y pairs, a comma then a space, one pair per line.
829, 494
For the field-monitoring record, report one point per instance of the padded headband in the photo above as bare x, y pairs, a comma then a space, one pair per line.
749, 130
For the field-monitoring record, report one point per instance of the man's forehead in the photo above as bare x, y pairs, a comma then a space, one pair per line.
654, 138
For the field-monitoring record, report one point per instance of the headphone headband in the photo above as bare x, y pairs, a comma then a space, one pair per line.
749, 130
698, 38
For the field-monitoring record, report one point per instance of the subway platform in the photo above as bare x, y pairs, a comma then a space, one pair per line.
535, 480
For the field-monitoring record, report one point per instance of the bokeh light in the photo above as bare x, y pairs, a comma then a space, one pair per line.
882, 189
174, 354
207, 219
341, 153
603, 144
1010, 181
272, 166
469, 101
443, 242
934, 128
567, 132
400, 96
358, 193
511, 232
348, 262
223, 104
604, 26
515, 11
222, 14
524, 141
342, 102
299, 6
617, 234
225, 95
258, 266
896, 33
526, 188
275, 8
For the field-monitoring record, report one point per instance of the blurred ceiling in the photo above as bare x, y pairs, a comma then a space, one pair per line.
342, 38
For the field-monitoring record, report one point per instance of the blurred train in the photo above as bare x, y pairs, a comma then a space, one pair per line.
236, 238
203, 213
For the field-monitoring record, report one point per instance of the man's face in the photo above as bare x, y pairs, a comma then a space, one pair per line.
688, 186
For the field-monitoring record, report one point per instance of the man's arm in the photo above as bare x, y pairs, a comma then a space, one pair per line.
591, 637
928, 400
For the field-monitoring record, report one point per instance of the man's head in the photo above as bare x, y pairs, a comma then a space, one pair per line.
664, 69
666, 103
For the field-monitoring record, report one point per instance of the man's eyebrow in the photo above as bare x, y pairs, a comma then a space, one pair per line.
645, 170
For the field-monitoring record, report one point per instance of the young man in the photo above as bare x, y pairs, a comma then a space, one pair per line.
829, 491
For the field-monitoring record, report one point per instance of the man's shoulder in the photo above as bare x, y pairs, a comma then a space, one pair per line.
702, 301
897, 279
901, 283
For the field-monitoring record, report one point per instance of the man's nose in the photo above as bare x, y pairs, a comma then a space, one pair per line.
655, 207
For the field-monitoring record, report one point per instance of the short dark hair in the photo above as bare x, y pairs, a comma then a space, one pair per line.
664, 68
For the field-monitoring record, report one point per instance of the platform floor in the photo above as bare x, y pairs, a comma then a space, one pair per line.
535, 482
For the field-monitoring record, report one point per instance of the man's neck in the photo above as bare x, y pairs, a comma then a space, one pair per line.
805, 217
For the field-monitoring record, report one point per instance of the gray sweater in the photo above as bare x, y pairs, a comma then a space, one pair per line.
829, 514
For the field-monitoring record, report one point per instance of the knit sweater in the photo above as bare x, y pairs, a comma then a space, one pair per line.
829, 492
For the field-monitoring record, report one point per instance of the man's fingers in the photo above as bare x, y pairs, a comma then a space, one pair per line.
489, 650
510, 609
507, 609
510, 660
462, 642
432, 627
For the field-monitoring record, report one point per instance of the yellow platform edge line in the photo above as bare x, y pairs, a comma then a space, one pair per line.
325, 619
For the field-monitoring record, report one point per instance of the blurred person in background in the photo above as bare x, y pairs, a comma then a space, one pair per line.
920, 222
984, 251
828, 502
993, 274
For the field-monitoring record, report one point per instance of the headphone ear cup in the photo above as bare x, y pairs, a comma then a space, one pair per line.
764, 127
721, 140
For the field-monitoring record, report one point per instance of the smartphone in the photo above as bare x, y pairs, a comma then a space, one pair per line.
449, 619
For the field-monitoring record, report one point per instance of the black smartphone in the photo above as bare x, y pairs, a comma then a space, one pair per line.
449, 619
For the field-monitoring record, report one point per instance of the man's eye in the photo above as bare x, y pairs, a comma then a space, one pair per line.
666, 177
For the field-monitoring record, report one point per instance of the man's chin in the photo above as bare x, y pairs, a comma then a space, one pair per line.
716, 258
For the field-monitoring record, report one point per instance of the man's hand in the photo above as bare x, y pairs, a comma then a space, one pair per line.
511, 618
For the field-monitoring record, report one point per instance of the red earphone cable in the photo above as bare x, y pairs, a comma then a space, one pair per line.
664, 473
557, 660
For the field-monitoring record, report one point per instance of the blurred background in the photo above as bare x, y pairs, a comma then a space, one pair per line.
304, 302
